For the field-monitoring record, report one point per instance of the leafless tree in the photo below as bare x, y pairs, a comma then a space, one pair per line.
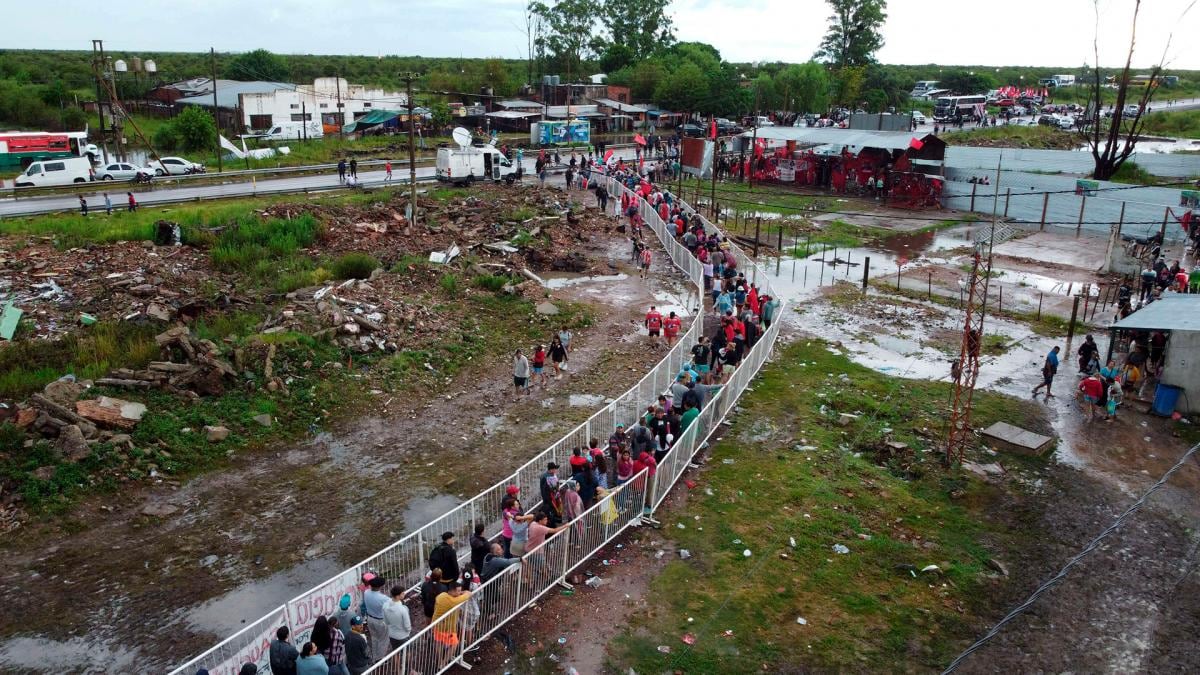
1112, 144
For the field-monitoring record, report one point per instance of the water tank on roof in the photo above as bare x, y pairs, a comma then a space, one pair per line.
150, 66
554, 80
135, 64
120, 66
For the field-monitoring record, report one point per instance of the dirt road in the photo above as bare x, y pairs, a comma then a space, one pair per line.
111, 589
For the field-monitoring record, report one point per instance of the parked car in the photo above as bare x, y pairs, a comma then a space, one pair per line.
727, 128
1019, 110
1065, 121
691, 130
1130, 110
61, 171
174, 166
120, 171
1047, 121
919, 117
1005, 102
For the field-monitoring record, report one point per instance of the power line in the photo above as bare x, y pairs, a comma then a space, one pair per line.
1062, 573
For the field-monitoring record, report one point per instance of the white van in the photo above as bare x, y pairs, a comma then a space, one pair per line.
463, 165
62, 171
761, 121
294, 131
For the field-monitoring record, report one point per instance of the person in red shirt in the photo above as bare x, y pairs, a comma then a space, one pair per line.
647, 256
671, 328
1181, 281
663, 211
645, 461
539, 364
654, 321
1093, 390
752, 298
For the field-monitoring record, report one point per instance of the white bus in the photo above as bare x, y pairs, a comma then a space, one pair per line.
922, 87
953, 107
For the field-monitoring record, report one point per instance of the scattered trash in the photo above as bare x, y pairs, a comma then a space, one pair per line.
595, 582
684, 554
802, 621
566, 592
562, 640
659, 554
9, 319
727, 461
444, 257
86, 319
931, 568
792, 542
838, 548
689, 639
681, 526
747, 553
664, 649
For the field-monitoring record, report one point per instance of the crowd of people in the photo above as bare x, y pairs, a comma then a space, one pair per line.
352, 639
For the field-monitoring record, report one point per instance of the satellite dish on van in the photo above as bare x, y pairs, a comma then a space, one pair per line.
462, 137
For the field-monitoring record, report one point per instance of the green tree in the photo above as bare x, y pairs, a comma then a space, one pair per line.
73, 118
616, 57
569, 30
967, 82
807, 85
440, 113
195, 129
682, 90
849, 85
766, 92
855, 32
641, 26
259, 64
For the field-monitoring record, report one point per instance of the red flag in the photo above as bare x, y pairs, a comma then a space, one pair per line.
637, 138
713, 130
916, 143
607, 156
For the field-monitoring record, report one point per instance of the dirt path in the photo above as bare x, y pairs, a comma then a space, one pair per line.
245, 539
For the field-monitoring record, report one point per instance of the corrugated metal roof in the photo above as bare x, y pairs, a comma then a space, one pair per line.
617, 105
515, 103
891, 140
228, 91
512, 114
1173, 312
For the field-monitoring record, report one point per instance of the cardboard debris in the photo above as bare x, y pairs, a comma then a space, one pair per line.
111, 412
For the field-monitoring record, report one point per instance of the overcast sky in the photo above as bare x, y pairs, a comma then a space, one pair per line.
1005, 32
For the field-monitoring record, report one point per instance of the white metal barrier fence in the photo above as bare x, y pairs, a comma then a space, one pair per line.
404, 561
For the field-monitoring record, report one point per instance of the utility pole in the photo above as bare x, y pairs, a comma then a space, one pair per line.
341, 115
108, 88
304, 119
412, 160
212, 53
712, 206
98, 67
753, 144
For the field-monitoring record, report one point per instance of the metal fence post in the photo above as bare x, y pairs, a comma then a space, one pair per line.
1007, 196
1082, 205
973, 188
1045, 205
866, 272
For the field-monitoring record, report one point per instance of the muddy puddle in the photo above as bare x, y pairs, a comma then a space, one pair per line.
74, 655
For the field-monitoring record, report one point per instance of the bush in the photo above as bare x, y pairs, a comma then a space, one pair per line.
354, 266
165, 139
195, 129
450, 283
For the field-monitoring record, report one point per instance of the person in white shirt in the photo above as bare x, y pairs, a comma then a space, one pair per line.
395, 615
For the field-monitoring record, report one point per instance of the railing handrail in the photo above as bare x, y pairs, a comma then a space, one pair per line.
681, 258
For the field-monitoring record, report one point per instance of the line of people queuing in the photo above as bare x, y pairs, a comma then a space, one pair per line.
349, 642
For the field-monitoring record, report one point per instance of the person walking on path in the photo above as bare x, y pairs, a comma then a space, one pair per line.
653, 322
107, 205
354, 168
558, 356
132, 202
539, 365
1049, 369
82, 206
671, 327
387, 167
520, 372
342, 170
647, 257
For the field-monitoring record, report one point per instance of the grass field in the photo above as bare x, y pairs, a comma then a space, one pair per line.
1181, 124
1015, 136
786, 471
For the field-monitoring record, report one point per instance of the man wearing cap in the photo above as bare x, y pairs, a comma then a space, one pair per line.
344, 614
374, 600
358, 658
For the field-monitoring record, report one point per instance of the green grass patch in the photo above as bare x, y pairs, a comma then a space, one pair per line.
1046, 324
354, 266
1181, 123
27, 365
1015, 136
1130, 172
790, 471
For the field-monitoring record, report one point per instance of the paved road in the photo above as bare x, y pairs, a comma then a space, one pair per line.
239, 187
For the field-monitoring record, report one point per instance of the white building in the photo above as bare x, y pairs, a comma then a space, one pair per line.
322, 100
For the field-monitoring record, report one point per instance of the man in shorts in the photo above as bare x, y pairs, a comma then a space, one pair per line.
1049, 369
646, 258
654, 322
520, 372
671, 327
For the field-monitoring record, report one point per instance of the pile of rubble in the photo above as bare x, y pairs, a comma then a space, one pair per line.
201, 372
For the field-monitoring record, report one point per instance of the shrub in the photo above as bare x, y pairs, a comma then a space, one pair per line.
449, 283
492, 282
354, 266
